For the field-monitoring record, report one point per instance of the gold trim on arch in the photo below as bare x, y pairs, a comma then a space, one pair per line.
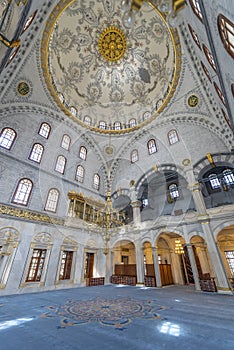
58, 9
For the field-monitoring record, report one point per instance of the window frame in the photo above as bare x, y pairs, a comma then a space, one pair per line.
173, 137
33, 152
54, 207
194, 36
215, 185
39, 260
102, 125
87, 120
29, 21
222, 22
174, 193
132, 122
96, 185
229, 174
18, 191
219, 93
134, 152
83, 155
63, 142
206, 71
57, 166
66, 275
117, 126
209, 57
4, 138
196, 9
40, 132
79, 178
152, 148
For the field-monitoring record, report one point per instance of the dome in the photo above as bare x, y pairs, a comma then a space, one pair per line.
100, 72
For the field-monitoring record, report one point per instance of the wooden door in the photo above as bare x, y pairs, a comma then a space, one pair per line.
89, 265
166, 274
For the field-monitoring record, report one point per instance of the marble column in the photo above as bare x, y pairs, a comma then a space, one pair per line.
195, 188
215, 257
193, 266
156, 267
78, 278
139, 264
136, 212
109, 266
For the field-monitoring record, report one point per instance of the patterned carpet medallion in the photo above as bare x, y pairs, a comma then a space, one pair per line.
109, 312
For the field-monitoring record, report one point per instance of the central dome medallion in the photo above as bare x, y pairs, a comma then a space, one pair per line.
106, 77
112, 44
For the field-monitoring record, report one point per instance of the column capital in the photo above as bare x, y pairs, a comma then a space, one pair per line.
136, 204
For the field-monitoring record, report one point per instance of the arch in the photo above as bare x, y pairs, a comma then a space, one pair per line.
23, 192
226, 32
36, 153
83, 152
66, 141
7, 138
52, 200
60, 164
44, 130
159, 168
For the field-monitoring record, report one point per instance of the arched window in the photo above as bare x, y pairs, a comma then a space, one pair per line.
172, 137
134, 156
60, 164
52, 200
226, 118
214, 181
209, 57
36, 152
226, 32
152, 146
102, 125
73, 111
174, 192
132, 122
13, 54
87, 120
228, 177
194, 36
44, 130
79, 173
96, 181
83, 153
219, 92
29, 22
7, 138
61, 97
206, 71
23, 192
117, 126
66, 140
196, 8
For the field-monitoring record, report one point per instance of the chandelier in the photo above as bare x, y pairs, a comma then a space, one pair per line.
170, 8
109, 218
178, 247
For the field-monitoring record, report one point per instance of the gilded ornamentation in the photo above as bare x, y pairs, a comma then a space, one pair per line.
112, 44
193, 101
29, 215
23, 88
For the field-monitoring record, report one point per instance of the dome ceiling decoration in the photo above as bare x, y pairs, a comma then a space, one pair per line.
95, 67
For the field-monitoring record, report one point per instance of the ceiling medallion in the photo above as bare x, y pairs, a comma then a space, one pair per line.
112, 44
193, 101
23, 88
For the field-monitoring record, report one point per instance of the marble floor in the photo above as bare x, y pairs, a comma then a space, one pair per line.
119, 318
